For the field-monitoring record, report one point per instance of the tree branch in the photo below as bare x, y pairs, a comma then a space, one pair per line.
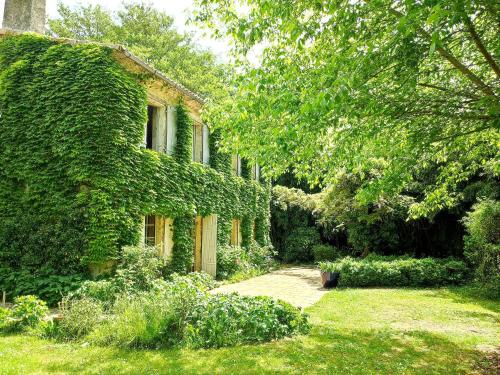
444, 89
480, 45
452, 60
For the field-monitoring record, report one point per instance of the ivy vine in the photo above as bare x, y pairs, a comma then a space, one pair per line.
71, 125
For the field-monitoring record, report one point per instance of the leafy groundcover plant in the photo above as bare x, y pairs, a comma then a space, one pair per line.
236, 260
178, 312
27, 313
397, 271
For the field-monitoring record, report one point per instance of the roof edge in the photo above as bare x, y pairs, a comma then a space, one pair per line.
117, 47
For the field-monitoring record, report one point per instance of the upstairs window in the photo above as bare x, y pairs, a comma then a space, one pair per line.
149, 128
201, 148
150, 230
171, 129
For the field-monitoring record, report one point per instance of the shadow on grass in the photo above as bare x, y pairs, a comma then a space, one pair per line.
326, 350
471, 294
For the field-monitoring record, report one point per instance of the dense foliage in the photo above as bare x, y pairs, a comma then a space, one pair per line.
381, 227
74, 183
178, 312
342, 83
299, 244
397, 271
150, 34
325, 252
252, 260
482, 242
139, 270
26, 313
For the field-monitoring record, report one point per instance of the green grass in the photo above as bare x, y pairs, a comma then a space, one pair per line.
355, 331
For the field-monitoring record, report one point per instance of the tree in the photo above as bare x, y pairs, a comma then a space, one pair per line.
343, 83
149, 34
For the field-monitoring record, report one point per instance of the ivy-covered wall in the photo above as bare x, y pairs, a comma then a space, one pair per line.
74, 181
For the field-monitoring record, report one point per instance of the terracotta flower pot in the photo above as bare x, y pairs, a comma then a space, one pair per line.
330, 279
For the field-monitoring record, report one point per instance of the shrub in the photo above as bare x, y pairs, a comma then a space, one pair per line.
138, 270
324, 252
27, 312
231, 319
261, 257
482, 242
158, 318
104, 291
139, 267
181, 312
397, 271
299, 244
142, 321
4, 315
44, 283
78, 318
230, 259
201, 280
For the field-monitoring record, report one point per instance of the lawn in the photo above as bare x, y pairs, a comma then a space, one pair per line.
355, 331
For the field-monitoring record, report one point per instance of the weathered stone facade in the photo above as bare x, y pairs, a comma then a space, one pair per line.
24, 15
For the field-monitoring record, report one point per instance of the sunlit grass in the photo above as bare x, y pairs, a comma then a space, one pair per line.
355, 331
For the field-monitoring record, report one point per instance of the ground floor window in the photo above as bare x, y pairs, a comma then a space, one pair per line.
150, 230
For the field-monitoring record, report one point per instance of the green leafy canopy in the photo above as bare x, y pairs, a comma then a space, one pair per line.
341, 85
149, 34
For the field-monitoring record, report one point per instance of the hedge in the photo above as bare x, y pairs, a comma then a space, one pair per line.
379, 271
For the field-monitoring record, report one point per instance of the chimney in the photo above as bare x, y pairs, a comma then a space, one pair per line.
24, 15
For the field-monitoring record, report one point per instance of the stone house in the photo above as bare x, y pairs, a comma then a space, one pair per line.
237, 209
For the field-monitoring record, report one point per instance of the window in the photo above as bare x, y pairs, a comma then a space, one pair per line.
149, 129
236, 164
206, 145
197, 142
150, 230
171, 129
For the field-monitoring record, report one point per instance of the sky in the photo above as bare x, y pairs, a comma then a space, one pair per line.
178, 9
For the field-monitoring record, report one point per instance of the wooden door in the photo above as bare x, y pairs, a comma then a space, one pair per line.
209, 245
198, 241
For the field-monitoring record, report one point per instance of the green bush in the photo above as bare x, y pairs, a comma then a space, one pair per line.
43, 282
142, 321
200, 280
78, 318
299, 244
482, 242
104, 291
324, 252
153, 319
230, 259
231, 319
138, 270
397, 271
261, 257
181, 312
27, 312
4, 316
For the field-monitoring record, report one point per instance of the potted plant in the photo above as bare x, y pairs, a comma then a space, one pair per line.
329, 276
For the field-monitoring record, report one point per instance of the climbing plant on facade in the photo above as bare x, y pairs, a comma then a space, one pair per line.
75, 181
